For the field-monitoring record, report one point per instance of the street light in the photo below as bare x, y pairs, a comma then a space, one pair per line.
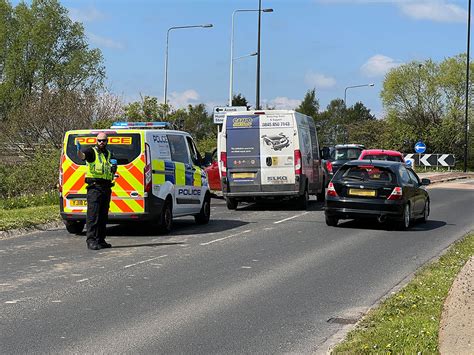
355, 86
466, 122
232, 49
166, 56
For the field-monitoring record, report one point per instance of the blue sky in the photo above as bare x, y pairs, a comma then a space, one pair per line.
323, 44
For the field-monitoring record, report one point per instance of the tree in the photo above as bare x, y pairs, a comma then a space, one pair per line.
240, 100
357, 113
41, 49
310, 104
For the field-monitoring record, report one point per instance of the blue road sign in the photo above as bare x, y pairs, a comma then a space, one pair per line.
420, 147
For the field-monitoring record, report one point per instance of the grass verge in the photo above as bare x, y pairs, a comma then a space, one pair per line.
408, 321
27, 217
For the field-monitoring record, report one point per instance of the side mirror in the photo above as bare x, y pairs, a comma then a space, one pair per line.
425, 182
325, 153
207, 159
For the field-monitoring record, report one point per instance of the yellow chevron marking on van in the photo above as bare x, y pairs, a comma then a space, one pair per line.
180, 174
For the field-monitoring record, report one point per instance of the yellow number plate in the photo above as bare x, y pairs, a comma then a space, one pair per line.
243, 175
78, 203
362, 192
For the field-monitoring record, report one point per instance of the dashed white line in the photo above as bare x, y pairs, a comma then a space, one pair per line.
144, 261
82, 280
229, 236
287, 219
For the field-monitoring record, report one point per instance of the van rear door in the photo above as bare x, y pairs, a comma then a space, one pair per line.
277, 137
128, 192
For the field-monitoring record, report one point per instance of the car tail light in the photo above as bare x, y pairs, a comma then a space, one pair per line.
223, 164
329, 167
297, 161
396, 194
147, 176
331, 191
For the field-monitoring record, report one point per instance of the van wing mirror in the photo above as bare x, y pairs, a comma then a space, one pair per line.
325, 153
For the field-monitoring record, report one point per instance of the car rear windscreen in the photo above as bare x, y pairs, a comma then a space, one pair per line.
124, 147
366, 173
345, 153
383, 157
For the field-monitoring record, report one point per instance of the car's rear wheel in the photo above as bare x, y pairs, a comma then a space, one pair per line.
332, 221
166, 218
231, 203
74, 227
426, 212
406, 221
205, 213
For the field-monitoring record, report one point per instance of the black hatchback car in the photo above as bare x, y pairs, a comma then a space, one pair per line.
381, 189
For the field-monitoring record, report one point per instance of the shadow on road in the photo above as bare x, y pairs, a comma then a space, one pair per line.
182, 226
313, 205
145, 245
390, 226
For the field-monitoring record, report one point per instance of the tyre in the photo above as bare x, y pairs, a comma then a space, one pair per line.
231, 203
74, 227
404, 224
332, 221
322, 195
205, 213
166, 218
426, 212
303, 200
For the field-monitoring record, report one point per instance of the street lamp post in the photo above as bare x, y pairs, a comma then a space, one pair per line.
355, 86
232, 50
165, 90
466, 122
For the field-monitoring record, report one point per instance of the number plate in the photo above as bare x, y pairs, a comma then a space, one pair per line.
243, 175
78, 203
362, 192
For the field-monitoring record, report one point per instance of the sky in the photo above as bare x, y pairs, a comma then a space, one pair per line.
327, 45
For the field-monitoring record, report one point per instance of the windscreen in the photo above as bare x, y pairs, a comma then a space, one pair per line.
383, 157
345, 153
366, 173
124, 147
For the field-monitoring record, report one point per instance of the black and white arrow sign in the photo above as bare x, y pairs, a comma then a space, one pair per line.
432, 159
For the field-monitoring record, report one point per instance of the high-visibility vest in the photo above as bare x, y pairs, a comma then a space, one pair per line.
100, 168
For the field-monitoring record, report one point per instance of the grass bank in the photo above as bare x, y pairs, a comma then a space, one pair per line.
27, 217
408, 321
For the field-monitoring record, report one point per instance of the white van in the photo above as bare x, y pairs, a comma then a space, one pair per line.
269, 154
159, 176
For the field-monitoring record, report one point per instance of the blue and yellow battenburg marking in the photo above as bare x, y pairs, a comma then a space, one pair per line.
177, 174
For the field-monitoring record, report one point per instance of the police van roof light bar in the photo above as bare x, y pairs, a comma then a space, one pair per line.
131, 125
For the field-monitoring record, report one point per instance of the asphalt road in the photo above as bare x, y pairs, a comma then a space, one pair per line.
263, 279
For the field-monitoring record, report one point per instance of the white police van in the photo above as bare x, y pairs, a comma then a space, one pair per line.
159, 176
269, 154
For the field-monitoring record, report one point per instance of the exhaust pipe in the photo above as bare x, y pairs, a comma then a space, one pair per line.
381, 219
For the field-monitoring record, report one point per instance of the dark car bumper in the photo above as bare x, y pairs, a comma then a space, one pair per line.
353, 208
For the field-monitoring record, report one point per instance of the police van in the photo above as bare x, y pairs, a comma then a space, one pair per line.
269, 154
159, 176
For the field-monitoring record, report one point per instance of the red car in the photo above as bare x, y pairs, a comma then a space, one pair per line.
212, 172
381, 154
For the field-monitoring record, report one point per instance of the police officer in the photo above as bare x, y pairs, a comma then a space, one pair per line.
99, 179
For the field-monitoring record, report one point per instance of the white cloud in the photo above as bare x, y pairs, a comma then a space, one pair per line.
85, 15
378, 65
319, 80
182, 99
439, 11
282, 103
104, 42
434, 10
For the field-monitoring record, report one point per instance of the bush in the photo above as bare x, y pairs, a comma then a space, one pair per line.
30, 200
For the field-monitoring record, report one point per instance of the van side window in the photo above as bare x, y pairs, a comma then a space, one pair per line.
194, 153
179, 151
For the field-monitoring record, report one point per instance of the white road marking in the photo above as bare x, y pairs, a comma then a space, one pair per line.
145, 261
229, 236
82, 280
287, 219
15, 301
245, 267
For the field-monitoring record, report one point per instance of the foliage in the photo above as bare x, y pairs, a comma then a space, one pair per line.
30, 200
240, 100
42, 49
310, 104
36, 175
408, 322
27, 217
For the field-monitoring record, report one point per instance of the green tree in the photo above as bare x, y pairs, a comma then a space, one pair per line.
42, 49
357, 113
240, 100
310, 104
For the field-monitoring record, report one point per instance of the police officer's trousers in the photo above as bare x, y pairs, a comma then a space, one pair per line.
98, 201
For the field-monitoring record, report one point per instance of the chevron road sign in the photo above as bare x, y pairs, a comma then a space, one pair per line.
431, 159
